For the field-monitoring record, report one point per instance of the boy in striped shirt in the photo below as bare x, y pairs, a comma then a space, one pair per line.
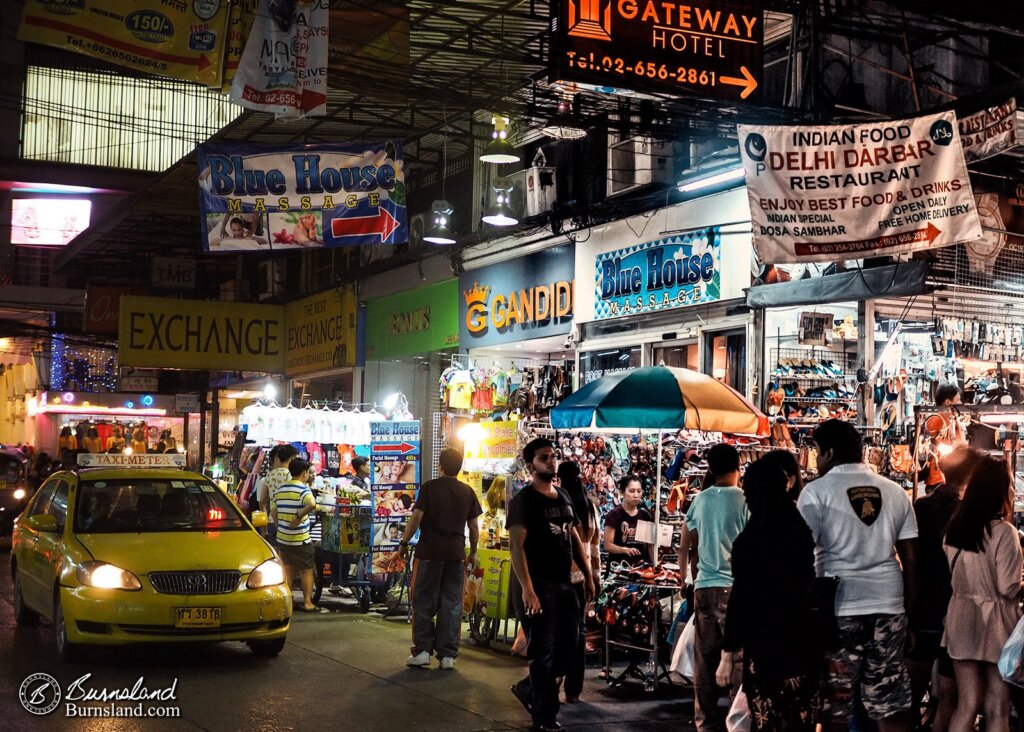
292, 504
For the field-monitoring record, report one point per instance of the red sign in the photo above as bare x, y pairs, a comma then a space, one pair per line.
403, 448
703, 48
102, 306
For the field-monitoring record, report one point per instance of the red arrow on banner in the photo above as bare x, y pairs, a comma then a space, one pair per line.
382, 223
930, 233
403, 447
748, 82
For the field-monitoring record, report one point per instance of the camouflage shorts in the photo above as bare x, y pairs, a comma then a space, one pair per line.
869, 653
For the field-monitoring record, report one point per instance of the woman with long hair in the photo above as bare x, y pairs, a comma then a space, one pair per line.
586, 511
770, 607
787, 462
983, 549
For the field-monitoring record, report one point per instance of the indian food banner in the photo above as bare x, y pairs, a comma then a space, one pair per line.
262, 198
989, 131
832, 192
283, 68
184, 39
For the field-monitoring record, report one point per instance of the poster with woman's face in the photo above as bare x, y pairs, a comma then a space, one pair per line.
396, 471
393, 502
388, 533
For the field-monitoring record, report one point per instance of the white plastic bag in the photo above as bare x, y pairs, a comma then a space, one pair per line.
1011, 658
683, 653
738, 719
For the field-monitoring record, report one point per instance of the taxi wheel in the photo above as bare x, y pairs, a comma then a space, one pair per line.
66, 650
267, 649
22, 615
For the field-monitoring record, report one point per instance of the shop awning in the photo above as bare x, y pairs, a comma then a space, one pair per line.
894, 280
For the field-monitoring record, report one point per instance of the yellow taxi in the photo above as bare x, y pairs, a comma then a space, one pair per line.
134, 549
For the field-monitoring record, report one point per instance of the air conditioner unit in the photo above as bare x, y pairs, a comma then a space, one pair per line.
639, 161
533, 191
270, 279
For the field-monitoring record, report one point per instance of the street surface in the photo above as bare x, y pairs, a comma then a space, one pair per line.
341, 670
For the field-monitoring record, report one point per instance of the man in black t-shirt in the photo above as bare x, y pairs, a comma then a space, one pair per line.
544, 543
442, 512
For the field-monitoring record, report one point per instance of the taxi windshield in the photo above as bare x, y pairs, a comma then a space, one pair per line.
147, 504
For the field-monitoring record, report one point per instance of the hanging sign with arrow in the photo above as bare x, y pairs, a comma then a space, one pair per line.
834, 192
277, 197
700, 48
184, 40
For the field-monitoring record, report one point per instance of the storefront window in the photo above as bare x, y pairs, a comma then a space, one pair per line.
726, 358
595, 364
681, 356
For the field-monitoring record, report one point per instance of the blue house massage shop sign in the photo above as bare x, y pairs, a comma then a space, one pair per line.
658, 275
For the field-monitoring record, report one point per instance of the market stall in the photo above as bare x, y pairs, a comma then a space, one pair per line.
661, 400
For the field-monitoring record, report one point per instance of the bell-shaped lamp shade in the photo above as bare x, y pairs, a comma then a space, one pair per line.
440, 228
500, 212
563, 125
499, 149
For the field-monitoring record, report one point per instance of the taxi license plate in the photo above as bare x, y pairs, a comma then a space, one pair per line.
197, 617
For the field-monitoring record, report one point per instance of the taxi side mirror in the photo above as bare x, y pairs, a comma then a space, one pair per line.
259, 519
43, 522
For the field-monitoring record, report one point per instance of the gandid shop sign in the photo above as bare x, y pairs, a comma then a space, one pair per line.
529, 297
659, 275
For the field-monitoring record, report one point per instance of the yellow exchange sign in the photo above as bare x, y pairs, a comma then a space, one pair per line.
195, 334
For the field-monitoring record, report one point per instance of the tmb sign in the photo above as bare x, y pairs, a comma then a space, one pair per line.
701, 48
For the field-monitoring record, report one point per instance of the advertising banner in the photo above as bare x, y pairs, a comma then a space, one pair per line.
198, 334
702, 48
283, 68
262, 198
487, 584
989, 131
320, 332
659, 275
184, 39
417, 321
394, 481
822, 193
529, 297
240, 20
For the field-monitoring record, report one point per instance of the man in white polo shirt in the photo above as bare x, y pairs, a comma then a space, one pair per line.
861, 522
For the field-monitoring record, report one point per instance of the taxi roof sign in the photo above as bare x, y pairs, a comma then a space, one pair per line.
115, 460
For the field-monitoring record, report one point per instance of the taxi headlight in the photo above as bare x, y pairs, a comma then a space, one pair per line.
107, 577
266, 575
19, 494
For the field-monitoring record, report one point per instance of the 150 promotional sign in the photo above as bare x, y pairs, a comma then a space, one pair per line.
184, 39
704, 48
821, 193
659, 275
278, 197
529, 297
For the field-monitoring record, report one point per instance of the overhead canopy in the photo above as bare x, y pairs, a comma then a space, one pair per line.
895, 280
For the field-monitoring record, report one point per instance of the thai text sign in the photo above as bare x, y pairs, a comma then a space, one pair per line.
848, 191
659, 275
529, 297
320, 332
279, 197
704, 48
180, 38
196, 334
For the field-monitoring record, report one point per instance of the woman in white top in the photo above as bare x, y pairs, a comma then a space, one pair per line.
983, 549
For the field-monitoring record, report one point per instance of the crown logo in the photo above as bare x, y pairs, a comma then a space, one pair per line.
477, 294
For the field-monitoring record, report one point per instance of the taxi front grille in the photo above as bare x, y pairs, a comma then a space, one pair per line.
208, 582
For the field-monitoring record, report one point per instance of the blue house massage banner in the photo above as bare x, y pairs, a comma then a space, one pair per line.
261, 198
